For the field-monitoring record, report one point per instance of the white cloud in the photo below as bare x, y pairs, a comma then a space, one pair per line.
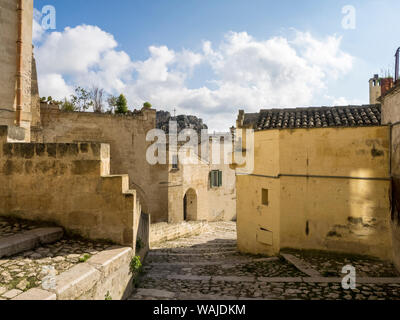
53, 84
37, 30
245, 72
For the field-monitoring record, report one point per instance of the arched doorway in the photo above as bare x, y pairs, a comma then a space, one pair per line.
190, 205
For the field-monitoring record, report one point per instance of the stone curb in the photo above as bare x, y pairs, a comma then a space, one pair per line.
82, 278
301, 265
76, 281
108, 261
36, 294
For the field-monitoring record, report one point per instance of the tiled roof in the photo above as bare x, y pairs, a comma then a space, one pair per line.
315, 117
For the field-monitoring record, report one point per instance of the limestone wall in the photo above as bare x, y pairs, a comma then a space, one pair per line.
222, 200
127, 138
327, 189
68, 184
162, 231
8, 62
391, 115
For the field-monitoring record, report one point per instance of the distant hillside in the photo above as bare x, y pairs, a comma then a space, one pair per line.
184, 122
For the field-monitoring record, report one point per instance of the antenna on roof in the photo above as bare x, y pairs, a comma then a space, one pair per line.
396, 70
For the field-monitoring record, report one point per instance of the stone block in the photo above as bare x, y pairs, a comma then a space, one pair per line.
28, 240
11, 294
111, 260
75, 282
36, 294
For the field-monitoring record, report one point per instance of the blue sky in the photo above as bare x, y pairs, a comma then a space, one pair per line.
185, 25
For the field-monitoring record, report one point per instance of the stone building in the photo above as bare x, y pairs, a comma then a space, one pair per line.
391, 117
66, 183
321, 180
161, 188
16, 65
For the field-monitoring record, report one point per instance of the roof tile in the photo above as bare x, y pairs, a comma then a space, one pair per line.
315, 117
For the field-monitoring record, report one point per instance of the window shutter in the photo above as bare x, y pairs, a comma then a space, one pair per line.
219, 178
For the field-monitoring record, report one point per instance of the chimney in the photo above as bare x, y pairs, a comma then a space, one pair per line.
374, 89
386, 85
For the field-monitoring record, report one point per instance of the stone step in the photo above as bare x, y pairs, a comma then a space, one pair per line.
191, 250
212, 263
172, 253
28, 240
254, 279
141, 294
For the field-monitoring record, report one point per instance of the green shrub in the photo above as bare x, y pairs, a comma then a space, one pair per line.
122, 105
84, 258
135, 265
108, 296
147, 105
68, 106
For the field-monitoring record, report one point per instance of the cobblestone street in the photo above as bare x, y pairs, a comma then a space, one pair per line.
208, 266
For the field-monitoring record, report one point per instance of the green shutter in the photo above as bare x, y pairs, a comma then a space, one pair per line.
219, 178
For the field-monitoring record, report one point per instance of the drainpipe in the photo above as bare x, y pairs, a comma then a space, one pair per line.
396, 72
19, 65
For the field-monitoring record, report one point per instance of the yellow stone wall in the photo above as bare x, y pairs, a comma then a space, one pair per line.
391, 115
69, 184
328, 189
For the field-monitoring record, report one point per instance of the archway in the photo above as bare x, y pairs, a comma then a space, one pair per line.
190, 205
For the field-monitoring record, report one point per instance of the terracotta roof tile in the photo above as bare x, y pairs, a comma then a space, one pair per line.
315, 117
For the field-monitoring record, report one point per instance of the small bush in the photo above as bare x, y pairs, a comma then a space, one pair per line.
135, 265
108, 296
85, 258
147, 105
68, 106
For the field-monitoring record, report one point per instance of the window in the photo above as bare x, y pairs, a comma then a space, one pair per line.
264, 197
215, 178
175, 161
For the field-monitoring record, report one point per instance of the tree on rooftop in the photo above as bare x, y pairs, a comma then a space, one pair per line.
147, 105
122, 105
82, 99
97, 98
112, 103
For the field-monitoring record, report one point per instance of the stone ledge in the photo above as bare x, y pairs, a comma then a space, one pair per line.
28, 240
110, 260
36, 294
75, 282
105, 271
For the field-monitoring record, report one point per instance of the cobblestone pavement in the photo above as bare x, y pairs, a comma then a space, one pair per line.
9, 227
26, 270
208, 266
